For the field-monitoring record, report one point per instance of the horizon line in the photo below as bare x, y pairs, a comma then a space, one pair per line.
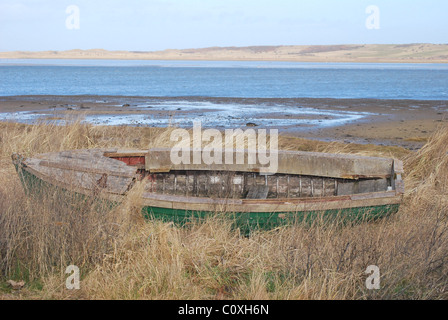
234, 46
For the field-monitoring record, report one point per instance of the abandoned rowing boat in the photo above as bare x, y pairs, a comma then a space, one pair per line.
305, 184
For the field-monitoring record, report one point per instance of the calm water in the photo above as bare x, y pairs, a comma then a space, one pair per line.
223, 79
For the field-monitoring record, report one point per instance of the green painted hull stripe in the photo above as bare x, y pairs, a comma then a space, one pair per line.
268, 220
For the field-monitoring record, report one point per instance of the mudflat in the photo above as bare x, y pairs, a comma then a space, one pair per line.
406, 123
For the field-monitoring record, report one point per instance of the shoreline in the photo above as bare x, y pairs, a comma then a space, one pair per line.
349, 53
367, 61
405, 123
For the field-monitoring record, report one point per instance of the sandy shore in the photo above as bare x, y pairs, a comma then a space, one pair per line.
406, 123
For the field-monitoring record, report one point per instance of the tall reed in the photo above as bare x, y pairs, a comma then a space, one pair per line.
123, 257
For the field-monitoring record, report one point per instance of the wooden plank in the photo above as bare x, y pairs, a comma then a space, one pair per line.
399, 186
125, 154
267, 205
72, 167
75, 180
398, 166
373, 195
132, 161
182, 199
258, 192
86, 169
397, 171
361, 186
289, 162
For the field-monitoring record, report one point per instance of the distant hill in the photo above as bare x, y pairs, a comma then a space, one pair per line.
411, 53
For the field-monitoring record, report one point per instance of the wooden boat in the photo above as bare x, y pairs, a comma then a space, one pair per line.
305, 185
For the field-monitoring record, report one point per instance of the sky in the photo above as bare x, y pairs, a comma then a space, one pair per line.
149, 25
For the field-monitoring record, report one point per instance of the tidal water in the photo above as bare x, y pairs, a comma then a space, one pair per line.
223, 79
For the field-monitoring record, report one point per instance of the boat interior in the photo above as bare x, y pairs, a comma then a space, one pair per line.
299, 175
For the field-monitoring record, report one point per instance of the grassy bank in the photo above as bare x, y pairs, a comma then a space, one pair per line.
123, 257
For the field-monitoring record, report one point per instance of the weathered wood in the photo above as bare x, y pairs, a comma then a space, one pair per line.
206, 183
258, 192
268, 205
78, 168
126, 153
238, 184
399, 186
346, 187
85, 169
289, 162
398, 166
373, 195
208, 189
397, 182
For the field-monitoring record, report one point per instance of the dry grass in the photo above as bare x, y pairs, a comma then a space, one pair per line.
417, 139
123, 257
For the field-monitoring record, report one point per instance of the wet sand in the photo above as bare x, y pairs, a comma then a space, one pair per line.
406, 123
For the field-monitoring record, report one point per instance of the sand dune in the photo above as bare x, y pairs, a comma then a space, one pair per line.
410, 53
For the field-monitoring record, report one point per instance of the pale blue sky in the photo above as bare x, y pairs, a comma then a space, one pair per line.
148, 25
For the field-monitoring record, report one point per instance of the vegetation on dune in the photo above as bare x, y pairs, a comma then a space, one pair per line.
123, 257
